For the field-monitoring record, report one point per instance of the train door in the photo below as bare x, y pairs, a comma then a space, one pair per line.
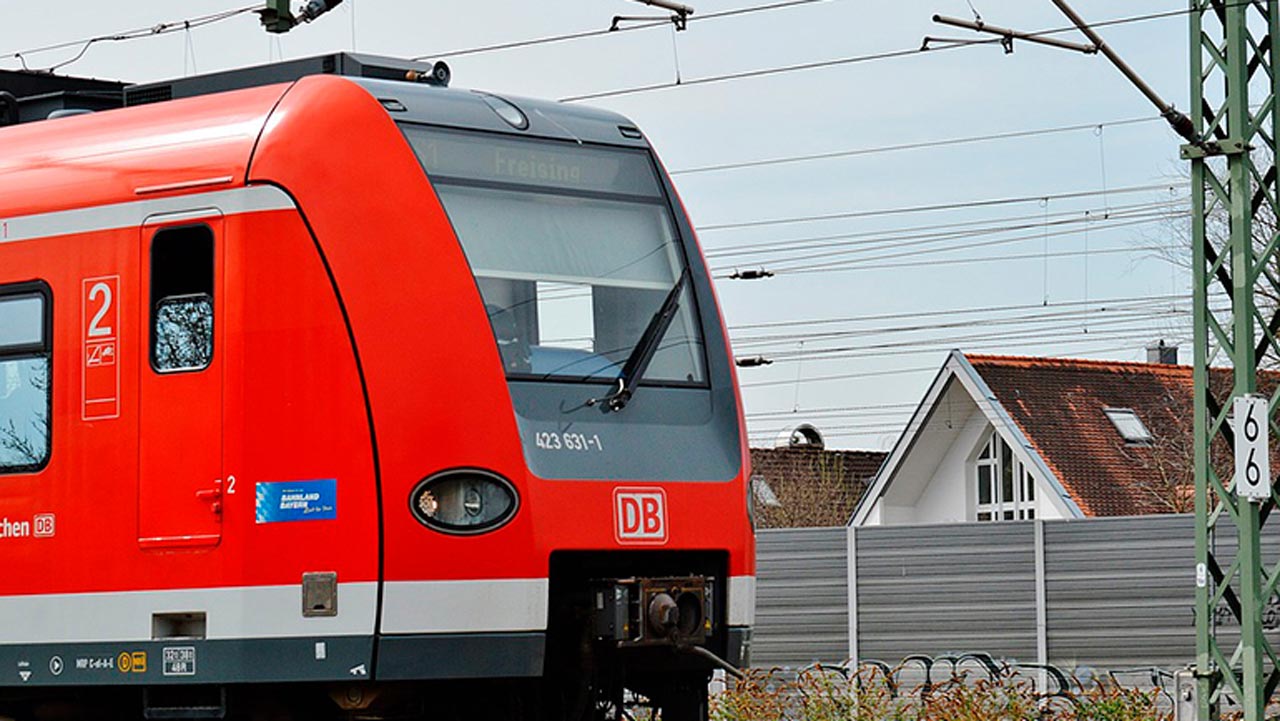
181, 386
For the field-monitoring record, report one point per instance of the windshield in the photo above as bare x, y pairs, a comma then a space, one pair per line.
574, 251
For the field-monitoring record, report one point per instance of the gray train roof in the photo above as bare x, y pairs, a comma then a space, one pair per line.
469, 109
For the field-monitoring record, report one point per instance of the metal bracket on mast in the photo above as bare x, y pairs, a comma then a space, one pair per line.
679, 14
1177, 120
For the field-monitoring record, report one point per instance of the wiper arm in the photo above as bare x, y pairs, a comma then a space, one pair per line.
638, 362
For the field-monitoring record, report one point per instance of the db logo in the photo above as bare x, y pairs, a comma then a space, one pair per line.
640, 515
45, 525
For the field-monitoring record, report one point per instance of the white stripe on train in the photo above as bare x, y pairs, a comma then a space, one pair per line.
250, 612
231, 613
136, 213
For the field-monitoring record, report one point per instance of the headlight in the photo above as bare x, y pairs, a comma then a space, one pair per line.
464, 501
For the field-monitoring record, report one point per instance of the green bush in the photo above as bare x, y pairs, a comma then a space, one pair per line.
871, 694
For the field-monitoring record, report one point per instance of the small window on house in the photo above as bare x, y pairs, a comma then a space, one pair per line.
1129, 425
1006, 489
25, 397
182, 299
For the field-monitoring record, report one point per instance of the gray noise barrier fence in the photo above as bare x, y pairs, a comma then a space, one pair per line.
1096, 595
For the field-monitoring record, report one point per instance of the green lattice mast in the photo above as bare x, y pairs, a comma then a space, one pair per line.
1232, 148
1233, 94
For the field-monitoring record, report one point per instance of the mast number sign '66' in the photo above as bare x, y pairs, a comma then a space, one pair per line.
1253, 454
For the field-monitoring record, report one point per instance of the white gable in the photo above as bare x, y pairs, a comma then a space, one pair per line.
930, 475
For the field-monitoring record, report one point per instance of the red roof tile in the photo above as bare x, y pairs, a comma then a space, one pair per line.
1058, 404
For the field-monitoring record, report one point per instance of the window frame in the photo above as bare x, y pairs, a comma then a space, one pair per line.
153, 304
1023, 505
42, 349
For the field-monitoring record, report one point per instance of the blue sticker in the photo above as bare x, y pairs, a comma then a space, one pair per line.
297, 501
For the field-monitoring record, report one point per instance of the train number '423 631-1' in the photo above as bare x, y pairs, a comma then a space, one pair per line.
552, 441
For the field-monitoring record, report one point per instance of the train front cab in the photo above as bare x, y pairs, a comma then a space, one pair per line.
559, 436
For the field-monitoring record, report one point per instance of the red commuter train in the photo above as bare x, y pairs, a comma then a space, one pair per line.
328, 393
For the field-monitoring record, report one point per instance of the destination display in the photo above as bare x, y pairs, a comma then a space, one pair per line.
543, 163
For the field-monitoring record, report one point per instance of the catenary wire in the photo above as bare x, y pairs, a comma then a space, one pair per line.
954, 311
1013, 134
816, 65
873, 246
933, 321
1130, 337
855, 59
884, 373
126, 35
759, 435
1056, 337
1128, 327
932, 207
1021, 320
840, 257
892, 237
846, 268
606, 31
783, 412
985, 337
841, 376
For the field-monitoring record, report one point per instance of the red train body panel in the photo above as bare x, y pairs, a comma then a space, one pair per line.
264, 332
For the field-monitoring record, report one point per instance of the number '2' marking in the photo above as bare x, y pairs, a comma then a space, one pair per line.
96, 330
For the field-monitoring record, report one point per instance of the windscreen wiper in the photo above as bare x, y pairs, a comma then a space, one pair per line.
645, 348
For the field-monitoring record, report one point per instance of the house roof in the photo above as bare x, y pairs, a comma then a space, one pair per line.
813, 487
1054, 410
1059, 404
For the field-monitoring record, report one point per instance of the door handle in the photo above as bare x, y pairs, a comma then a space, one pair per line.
212, 496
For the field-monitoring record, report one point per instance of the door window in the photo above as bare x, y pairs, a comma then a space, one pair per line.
182, 299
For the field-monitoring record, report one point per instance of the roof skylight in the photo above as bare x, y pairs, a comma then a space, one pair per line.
1128, 425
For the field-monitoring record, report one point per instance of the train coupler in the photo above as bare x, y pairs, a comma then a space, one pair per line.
653, 611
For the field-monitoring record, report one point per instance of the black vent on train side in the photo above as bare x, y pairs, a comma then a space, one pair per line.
144, 94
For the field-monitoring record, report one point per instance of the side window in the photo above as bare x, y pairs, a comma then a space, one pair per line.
182, 299
25, 396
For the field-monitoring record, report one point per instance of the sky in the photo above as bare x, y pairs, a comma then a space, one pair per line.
897, 245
